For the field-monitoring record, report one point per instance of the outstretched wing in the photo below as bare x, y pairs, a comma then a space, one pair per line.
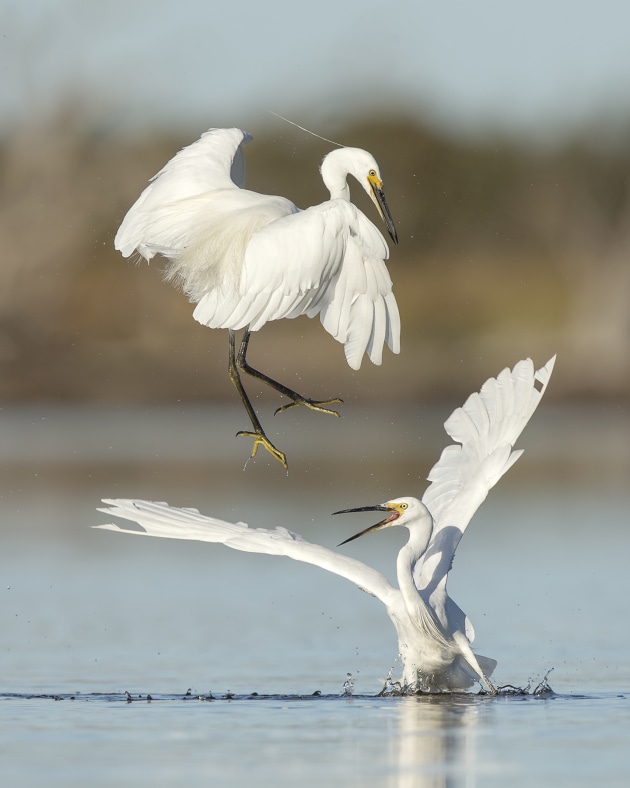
326, 260
215, 161
167, 522
486, 428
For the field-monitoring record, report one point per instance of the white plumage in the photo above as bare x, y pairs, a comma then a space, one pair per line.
246, 258
434, 634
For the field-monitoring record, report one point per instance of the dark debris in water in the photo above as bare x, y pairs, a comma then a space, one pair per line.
128, 697
391, 689
506, 691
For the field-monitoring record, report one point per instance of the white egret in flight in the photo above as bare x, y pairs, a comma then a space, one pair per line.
246, 258
434, 634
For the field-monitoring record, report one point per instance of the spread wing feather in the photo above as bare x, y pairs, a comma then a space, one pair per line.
486, 428
168, 522
215, 161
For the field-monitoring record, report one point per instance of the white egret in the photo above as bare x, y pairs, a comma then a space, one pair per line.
434, 634
246, 258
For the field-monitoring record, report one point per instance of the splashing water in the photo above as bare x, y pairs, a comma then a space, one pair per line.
348, 686
390, 688
544, 687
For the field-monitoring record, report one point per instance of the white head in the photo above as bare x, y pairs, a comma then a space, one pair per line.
410, 512
340, 163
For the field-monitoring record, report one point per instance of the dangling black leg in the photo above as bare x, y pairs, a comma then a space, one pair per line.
260, 439
298, 399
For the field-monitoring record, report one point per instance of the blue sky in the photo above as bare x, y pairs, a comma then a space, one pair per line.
535, 68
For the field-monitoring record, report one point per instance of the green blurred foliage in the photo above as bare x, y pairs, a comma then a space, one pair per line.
505, 251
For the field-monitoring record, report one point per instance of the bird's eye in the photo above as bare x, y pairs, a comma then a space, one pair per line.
372, 173
404, 505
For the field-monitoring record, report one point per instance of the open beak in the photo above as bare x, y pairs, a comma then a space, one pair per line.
393, 512
378, 197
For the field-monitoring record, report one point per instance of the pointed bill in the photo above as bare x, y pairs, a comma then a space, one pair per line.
393, 511
378, 197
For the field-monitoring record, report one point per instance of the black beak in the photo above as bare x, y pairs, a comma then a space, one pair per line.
379, 196
394, 514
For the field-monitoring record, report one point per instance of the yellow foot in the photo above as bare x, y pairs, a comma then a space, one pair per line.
312, 404
260, 439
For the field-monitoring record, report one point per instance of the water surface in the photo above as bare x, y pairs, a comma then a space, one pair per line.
93, 615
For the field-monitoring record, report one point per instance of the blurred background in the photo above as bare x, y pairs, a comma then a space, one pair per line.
503, 134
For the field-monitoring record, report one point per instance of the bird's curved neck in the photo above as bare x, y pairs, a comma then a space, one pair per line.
335, 176
340, 191
408, 557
